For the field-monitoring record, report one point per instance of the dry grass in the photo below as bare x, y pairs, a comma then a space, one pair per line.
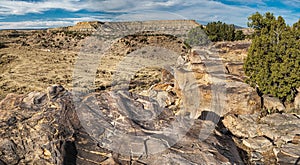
34, 60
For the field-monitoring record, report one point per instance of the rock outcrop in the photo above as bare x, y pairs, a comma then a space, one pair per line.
272, 104
237, 96
273, 139
47, 128
56, 128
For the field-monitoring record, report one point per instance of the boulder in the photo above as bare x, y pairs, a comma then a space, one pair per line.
243, 126
289, 154
233, 95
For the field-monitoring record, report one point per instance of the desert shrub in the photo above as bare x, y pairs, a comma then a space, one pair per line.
197, 37
273, 62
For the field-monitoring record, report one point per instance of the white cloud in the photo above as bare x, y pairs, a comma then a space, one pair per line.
8, 7
293, 3
249, 1
202, 10
59, 22
149, 15
85, 18
34, 24
215, 11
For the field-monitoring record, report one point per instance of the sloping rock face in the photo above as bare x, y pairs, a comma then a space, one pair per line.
272, 139
47, 128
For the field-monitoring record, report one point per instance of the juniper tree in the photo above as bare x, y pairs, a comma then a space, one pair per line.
273, 62
219, 31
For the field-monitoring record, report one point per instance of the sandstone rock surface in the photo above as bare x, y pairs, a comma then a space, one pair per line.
235, 96
47, 128
273, 139
297, 100
271, 103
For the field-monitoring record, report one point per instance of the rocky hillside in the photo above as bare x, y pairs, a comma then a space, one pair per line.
195, 109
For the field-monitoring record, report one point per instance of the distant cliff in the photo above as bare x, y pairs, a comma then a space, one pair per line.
173, 27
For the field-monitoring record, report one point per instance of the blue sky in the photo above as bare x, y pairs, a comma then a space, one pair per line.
16, 14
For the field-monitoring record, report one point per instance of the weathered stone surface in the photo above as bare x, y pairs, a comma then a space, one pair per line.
35, 133
235, 69
273, 138
54, 133
8, 152
273, 103
241, 98
289, 154
233, 52
297, 100
282, 128
259, 144
242, 126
